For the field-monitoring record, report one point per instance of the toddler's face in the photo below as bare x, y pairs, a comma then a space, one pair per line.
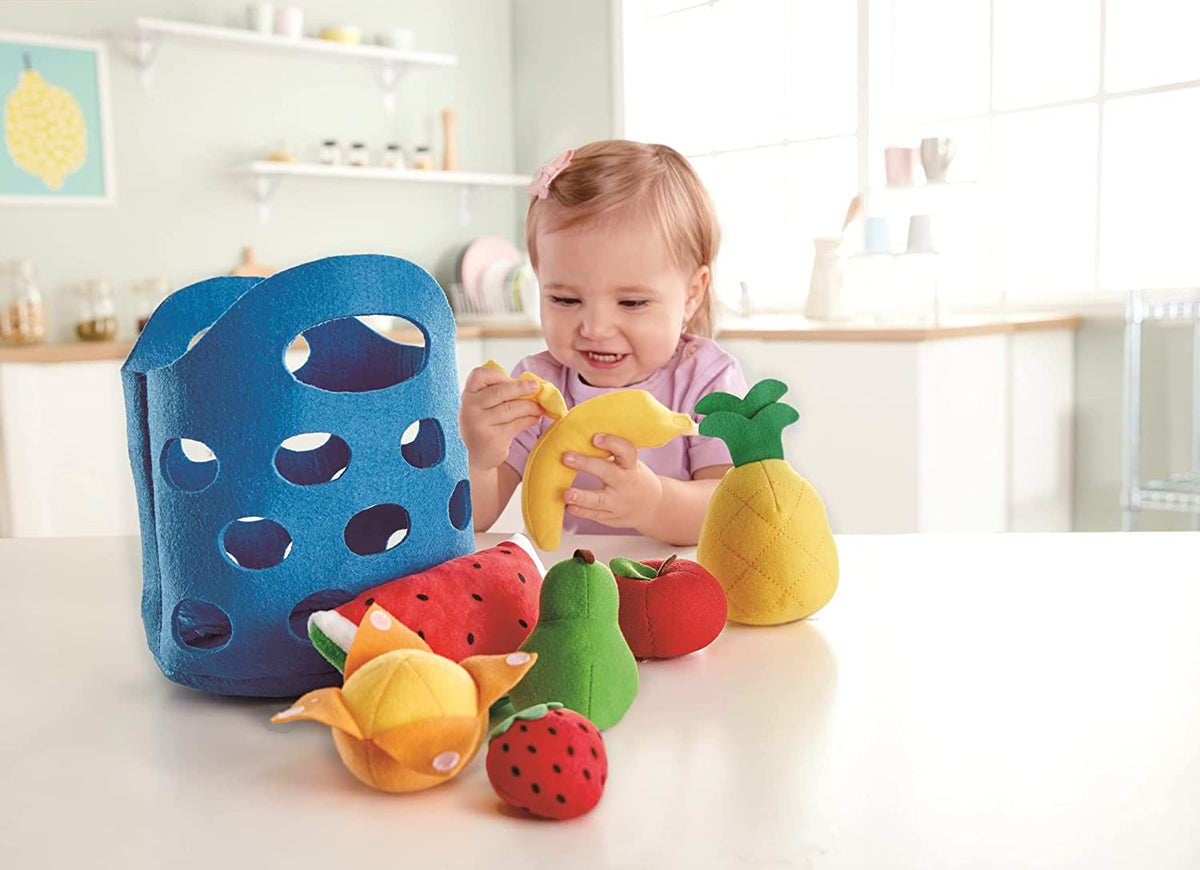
613, 300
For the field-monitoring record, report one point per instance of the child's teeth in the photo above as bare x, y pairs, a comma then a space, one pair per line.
605, 357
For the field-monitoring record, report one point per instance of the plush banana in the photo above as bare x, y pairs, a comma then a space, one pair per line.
634, 415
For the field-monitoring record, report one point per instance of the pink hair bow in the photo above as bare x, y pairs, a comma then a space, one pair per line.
541, 185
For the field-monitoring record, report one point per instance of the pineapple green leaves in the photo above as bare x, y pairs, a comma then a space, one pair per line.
752, 427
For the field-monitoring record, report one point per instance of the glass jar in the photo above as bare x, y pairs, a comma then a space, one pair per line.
393, 157
359, 155
423, 159
22, 315
97, 312
148, 294
331, 154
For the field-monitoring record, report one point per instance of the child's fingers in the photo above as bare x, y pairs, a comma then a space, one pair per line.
483, 376
503, 414
495, 395
589, 499
519, 425
624, 453
602, 469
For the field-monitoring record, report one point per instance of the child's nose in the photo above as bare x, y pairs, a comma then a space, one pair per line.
597, 323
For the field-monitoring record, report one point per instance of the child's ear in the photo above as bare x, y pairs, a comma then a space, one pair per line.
697, 287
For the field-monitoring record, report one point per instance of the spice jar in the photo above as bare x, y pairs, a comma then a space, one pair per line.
393, 157
97, 312
331, 154
358, 154
22, 316
149, 295
423, 159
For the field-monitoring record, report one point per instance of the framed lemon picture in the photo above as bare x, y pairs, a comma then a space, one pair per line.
57, 122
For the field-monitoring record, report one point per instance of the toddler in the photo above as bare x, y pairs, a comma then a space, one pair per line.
622, 236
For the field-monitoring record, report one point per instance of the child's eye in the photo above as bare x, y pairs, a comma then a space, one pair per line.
634, 303
564, 300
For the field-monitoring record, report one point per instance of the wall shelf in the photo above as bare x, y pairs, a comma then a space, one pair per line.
268, 174
391, 63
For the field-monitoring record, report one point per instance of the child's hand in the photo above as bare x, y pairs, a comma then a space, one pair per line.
631, 493
494, 411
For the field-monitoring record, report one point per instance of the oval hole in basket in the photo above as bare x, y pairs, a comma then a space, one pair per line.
311, 458
353, 355
460, 505
255, 543
423, 443
296, 355
200, 625
326, 599
377, 529
188, 464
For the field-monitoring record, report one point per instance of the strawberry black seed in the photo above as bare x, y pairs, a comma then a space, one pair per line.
516, 771
587, 774
369, 602
560, 799
504, 746
536, 788
421, 596
470, 638
524, 727
523, 623
557, 769
552, 731
421, 635
476, 596
506, 552
532, 748
603, 778
583, 728
520, 576
570, 750
476, 565
595, 754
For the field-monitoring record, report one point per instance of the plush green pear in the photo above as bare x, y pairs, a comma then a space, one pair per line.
583, 660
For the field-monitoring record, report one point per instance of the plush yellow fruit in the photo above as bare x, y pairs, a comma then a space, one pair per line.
634, 415
765, 537
406, 718
547, 395
44, 129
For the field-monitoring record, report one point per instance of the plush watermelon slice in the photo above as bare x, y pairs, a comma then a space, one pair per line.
482, 604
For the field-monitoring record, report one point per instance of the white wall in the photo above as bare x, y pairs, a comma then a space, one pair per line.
181, 214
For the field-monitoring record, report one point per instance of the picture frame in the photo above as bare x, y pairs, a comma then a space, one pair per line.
56, 141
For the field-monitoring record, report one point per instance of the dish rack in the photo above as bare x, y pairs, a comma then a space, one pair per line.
499, 306
1177, 492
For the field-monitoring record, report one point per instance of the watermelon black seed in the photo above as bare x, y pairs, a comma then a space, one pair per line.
595, 754
583, 728
516, 771
524, 727
536, 789
504, 746
421, 635
476, 596
470, 638
587, 774
523, 623
603, 778
551, 730
560, 799
570, 750
532, 748
421, 596
369, 602
476, 565
557, 769
506, 552
520, 576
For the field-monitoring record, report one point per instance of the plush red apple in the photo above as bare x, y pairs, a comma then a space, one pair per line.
669, 607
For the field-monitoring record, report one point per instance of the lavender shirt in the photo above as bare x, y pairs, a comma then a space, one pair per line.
698, 367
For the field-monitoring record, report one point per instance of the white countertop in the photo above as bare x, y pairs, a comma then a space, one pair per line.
1003, 701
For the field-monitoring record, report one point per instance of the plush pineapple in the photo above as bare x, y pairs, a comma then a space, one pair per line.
44, 129
765, 537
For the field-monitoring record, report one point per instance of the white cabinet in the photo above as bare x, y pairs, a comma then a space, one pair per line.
953, 434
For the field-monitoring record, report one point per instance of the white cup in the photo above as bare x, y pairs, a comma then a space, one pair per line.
398, 37
920, 234
260, 17
289, 21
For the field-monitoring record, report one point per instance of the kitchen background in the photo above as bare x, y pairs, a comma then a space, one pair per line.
1067, 188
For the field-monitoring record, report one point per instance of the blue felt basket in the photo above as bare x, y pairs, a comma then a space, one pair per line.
247, 528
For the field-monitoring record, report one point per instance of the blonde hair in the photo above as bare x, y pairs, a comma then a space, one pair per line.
616, 177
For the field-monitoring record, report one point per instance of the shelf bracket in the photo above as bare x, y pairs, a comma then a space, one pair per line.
390, 74
465, 200
264, 189
146, 47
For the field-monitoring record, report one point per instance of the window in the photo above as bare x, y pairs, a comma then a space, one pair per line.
1070, 119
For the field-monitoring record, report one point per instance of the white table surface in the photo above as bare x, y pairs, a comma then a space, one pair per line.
964, 701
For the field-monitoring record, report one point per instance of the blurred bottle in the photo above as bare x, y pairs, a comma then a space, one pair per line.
22, 315
97, 312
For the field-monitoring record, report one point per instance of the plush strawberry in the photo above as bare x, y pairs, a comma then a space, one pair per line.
668, 608
486, 603
548, 760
